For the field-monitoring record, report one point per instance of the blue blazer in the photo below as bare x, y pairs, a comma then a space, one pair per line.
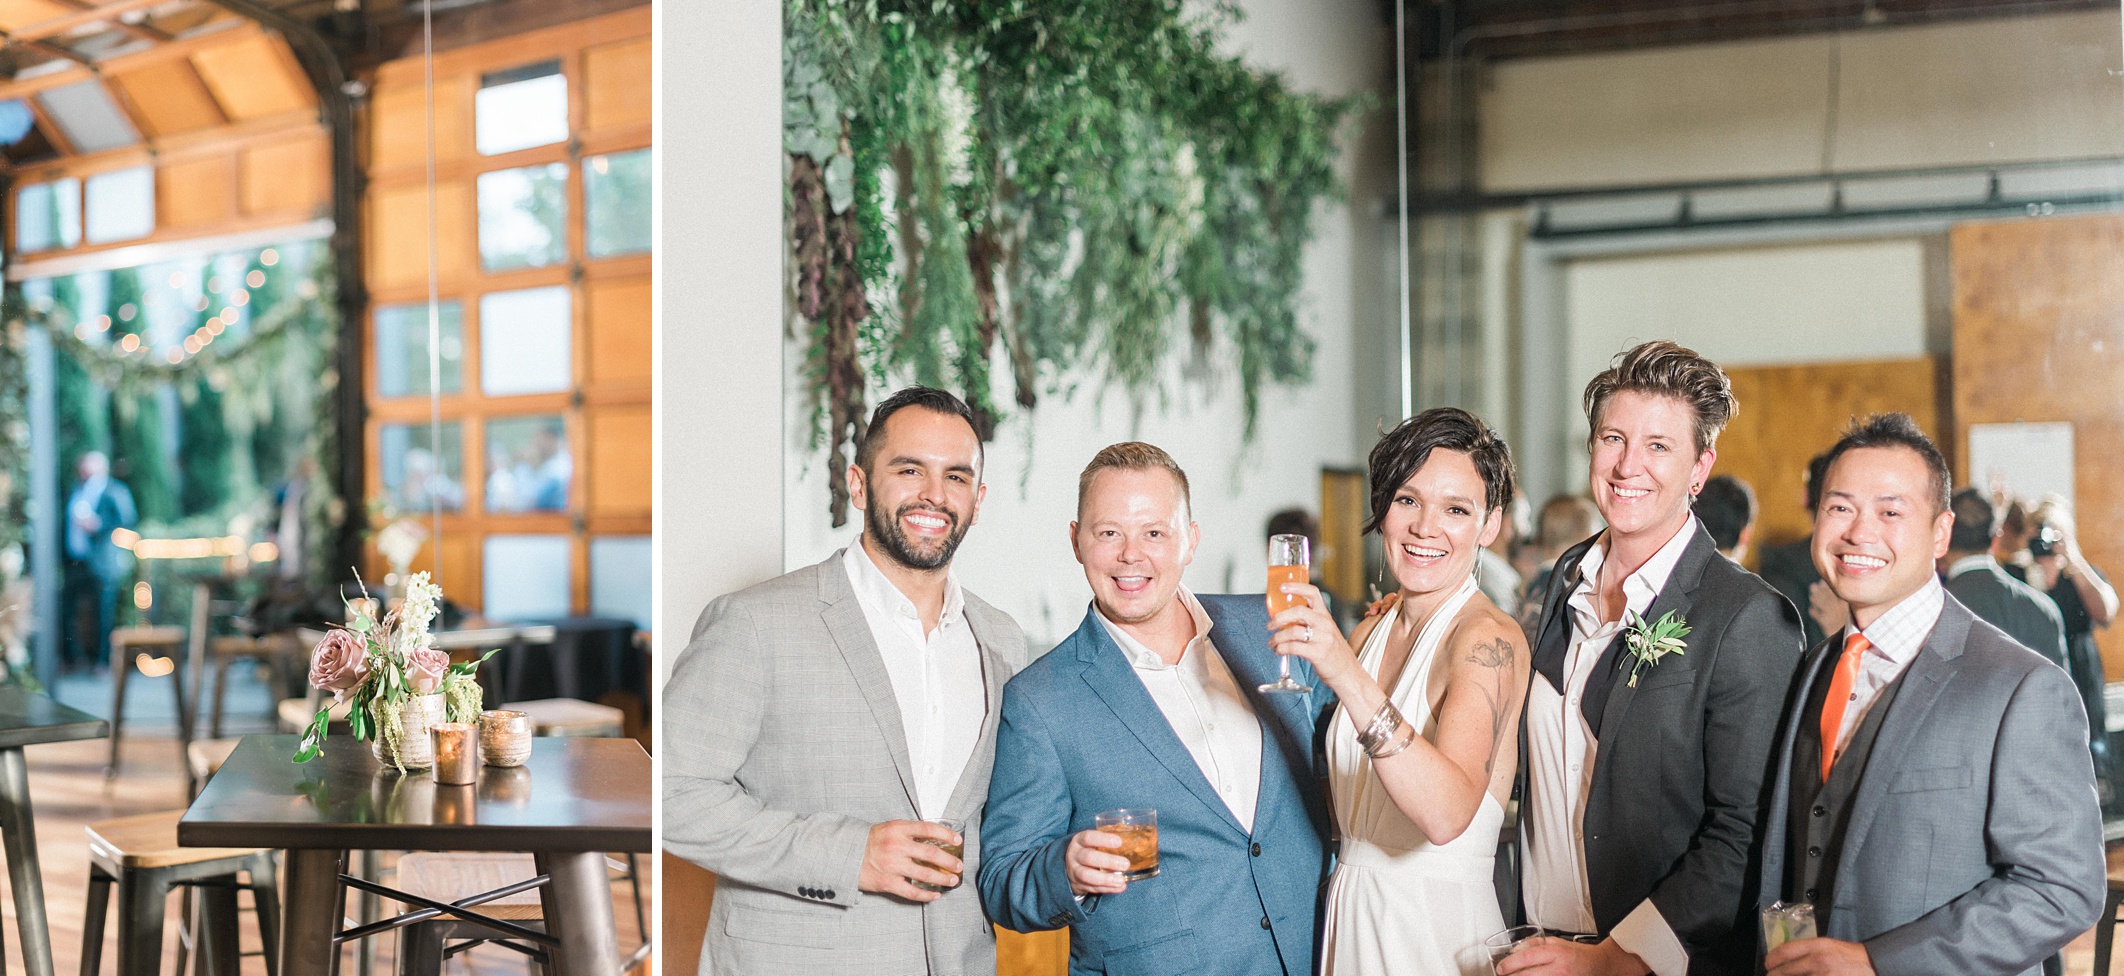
1079, 734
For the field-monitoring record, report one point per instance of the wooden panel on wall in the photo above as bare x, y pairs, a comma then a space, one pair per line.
2039, 336
619, 450
619, 330
290, 175
398, 123
398, 234
616, 84
685, 895
195, 192
1789, 414
171, 98
253, 78
1344, 505
16, 14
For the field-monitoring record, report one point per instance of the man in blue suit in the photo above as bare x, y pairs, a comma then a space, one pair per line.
96, 568
1153, 702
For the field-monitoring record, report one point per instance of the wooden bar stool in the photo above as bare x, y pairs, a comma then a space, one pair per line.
126, 644
2106, 926
140, 855
449, 876
271, 650
203, 758
571, 717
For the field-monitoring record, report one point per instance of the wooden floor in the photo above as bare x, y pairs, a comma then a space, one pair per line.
69, 790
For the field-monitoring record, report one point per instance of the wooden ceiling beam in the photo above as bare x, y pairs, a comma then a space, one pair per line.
139, 31
176, 49
87, 15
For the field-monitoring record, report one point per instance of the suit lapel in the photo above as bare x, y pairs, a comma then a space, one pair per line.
1608, 690
1111, 677
1928, 676
844, 619
1776, 822
1553, 643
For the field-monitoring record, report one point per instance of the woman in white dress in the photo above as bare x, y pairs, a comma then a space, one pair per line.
1422, 760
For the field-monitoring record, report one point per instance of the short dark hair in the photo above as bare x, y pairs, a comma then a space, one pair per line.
1294, 521
1975, 522
926, 397
1663, 368
1404, 449
1817, 469
1895, 430
1727, 507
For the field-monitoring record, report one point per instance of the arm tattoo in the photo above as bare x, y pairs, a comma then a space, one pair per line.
1495, 654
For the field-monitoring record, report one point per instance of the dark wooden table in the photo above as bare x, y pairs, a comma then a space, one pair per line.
571, 802
28, 720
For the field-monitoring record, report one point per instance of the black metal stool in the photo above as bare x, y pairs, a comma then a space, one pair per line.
140, 855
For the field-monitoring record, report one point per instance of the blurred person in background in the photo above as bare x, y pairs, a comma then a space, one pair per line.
1976, 579
1726, 506
2085, 601
1298, 521
1790, 567
95, 567
1495, 573
1566, 520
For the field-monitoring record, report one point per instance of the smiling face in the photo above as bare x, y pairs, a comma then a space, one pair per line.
1645, 464
1436, 522
1134, 537
1877, 538
923, 489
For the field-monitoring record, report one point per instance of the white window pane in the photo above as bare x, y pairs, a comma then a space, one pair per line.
416, 474
616, 203
619, 578
517, 115
523, 217
48, 215
524, 339
527, 577
529, 468
88, 117
402, 349
121, 204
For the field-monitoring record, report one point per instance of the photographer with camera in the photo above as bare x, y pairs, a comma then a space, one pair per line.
2085, 600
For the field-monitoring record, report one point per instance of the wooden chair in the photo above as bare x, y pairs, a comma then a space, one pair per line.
271, 650
140, 855
126, 644
203, 758
449, 876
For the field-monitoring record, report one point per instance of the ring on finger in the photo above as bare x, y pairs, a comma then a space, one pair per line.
1308, 638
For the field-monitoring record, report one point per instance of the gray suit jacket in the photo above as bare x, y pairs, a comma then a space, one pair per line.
1974, 843
2025, 613
782, 747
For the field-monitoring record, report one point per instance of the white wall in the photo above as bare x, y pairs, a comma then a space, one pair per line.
1018, 556
1991, 91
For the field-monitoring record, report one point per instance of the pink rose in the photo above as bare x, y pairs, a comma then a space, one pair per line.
425, 667
339, 663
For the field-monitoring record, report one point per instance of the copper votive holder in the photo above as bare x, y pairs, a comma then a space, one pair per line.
456, 753
505, 737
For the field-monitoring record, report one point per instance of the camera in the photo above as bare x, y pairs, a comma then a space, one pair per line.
2045, 542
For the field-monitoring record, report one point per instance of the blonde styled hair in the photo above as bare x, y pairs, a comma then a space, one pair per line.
1133, 456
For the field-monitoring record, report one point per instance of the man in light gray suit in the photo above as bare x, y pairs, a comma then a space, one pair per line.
1934, 800
820, 725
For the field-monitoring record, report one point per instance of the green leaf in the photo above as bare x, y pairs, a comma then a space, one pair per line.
313, 739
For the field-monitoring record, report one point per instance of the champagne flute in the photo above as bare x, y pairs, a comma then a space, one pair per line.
1290, 561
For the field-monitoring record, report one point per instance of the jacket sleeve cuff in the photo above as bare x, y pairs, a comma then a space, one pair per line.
1644, 933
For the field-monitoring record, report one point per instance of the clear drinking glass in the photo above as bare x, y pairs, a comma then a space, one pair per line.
1138, 830
1787, 922
1510, 941
956, 850
1290, 560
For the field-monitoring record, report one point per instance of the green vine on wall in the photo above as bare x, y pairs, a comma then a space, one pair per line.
1058, 185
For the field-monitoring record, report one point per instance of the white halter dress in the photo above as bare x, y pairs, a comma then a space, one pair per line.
1399, 905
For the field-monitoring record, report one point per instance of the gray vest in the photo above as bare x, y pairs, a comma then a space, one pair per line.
1819, 810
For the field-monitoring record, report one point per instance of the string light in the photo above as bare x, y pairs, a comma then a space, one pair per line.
102, 323
268, 257
175, 357
200, 305
126, 312
215, 284
130, 343
255, 279
191, 345
176, 279
228, 314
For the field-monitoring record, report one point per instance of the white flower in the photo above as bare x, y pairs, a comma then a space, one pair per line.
955, 142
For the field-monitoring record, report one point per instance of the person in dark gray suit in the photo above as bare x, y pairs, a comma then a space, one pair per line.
2025, 613
1933, 797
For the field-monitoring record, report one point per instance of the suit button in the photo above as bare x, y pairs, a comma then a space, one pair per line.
806, 892
1264, 921
828, 895
1814, 852
1257, 850
1820, 811
1810, 894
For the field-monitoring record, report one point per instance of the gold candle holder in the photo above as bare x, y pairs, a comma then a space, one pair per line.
456, 753
505, 737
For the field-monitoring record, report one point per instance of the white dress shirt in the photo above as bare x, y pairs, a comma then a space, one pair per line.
1560, 753
1206, 708
936, 678
1896, 637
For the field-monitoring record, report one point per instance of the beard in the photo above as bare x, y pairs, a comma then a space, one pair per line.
893, 541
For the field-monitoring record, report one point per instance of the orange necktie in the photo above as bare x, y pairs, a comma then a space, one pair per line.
1839, 697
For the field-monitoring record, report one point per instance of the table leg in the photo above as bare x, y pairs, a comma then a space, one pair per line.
315, 906
578, 909
18, 832
368, 907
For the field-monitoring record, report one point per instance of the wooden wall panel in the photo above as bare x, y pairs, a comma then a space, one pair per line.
398, 123
1032, 953
253, 78
288, 176
1788, 414
684, 897
22, 13
619, 331
170, 97
1344, 506
616, 84
2039, 336
195, 193
619, 448
398, 234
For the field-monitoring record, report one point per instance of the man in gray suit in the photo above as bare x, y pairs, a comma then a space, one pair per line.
1934, 800
822, 724
2025, 613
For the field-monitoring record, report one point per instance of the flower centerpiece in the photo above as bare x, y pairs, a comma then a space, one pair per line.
400, 683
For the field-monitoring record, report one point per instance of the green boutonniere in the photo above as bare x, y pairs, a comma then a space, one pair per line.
1644, 643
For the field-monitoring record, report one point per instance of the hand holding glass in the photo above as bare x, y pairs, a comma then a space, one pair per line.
1138, 830
1510, 941
1783, 922
1290, 561
956, 850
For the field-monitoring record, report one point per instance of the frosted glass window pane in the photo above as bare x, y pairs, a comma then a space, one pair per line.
88, 117
524, 339
520, 109
619, 578
616, 203
523, 217
529, 467
48, 215
527, 577
402, 349
415, 474
121, 205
